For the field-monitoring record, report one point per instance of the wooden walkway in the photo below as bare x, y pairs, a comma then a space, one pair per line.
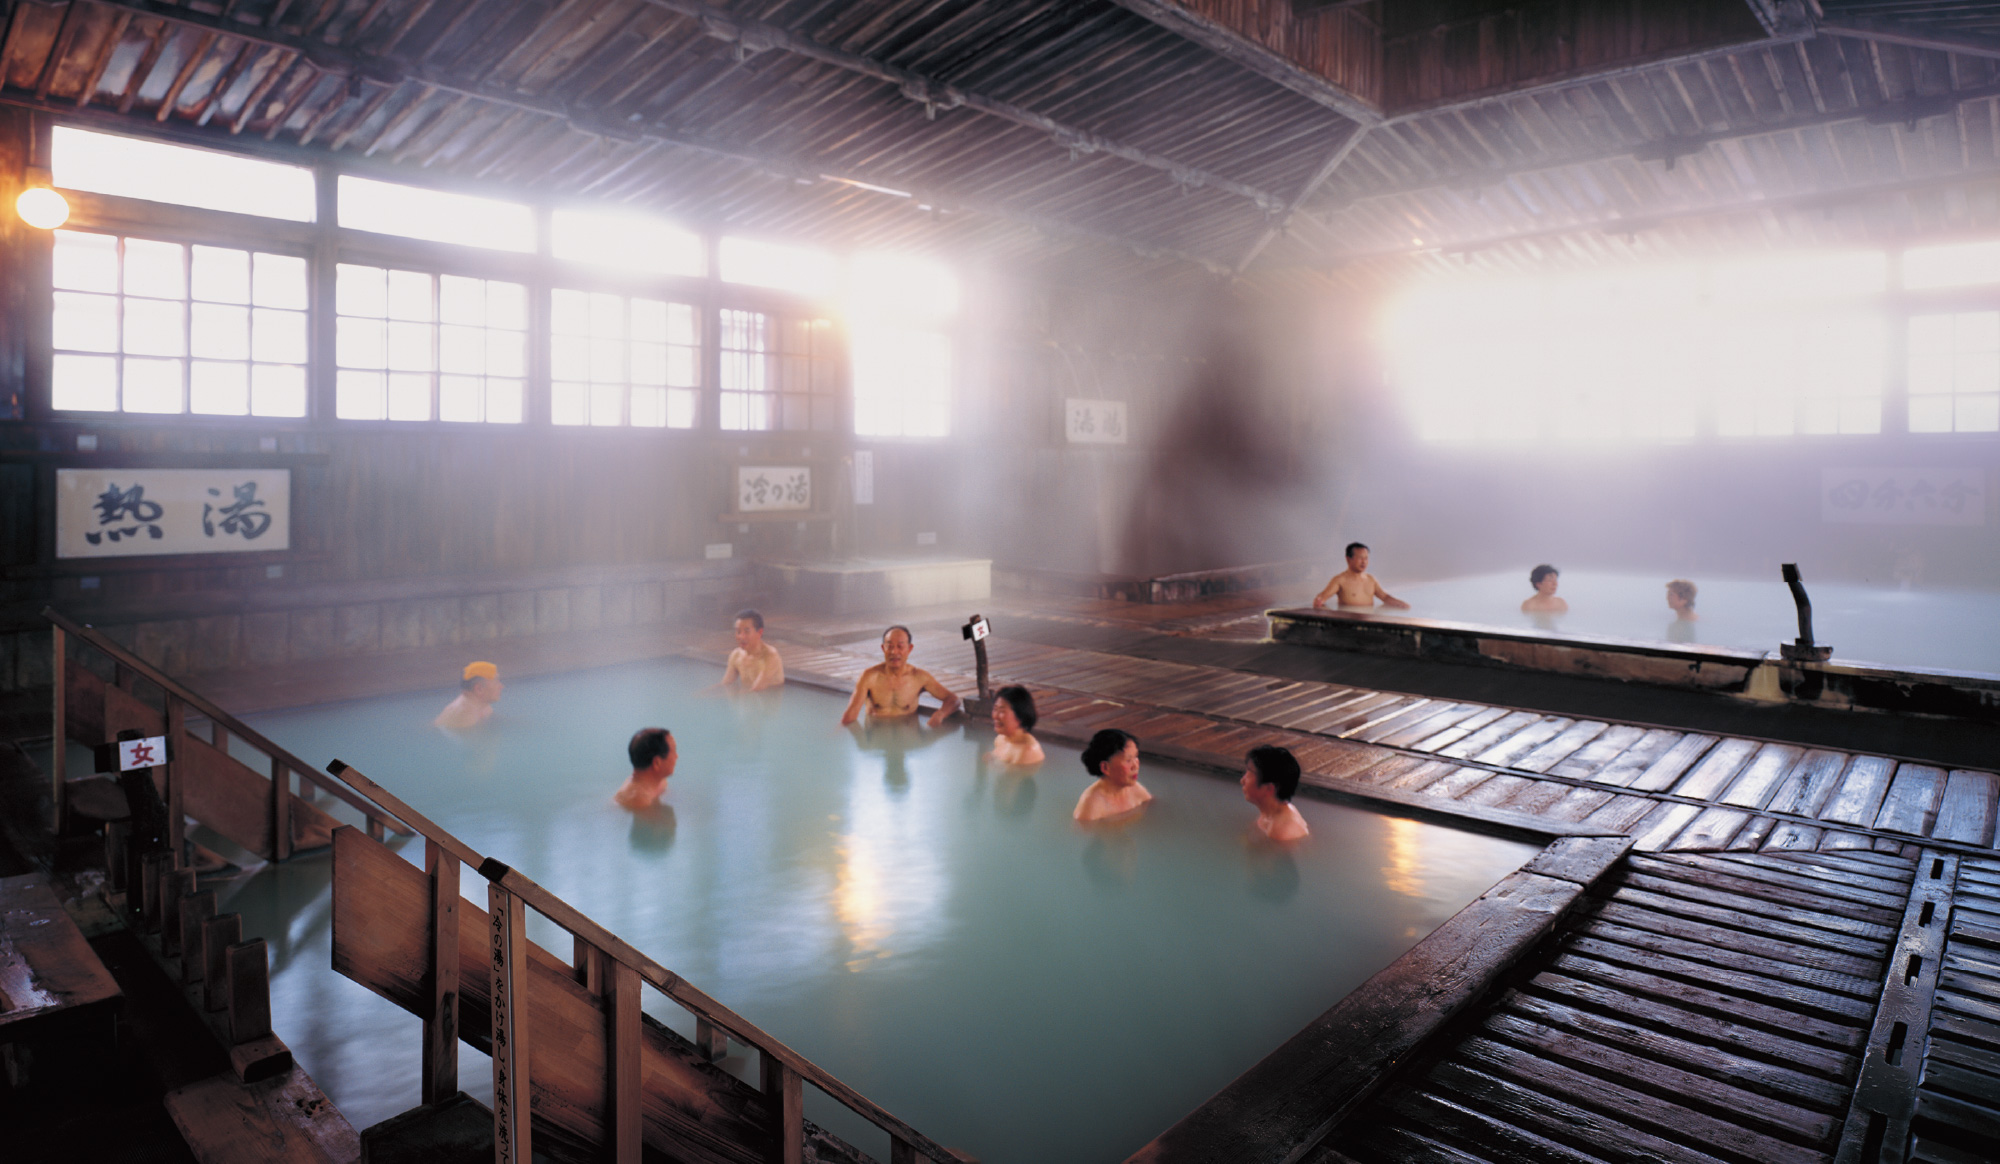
1957, 1114
1670, 790
1702, 1008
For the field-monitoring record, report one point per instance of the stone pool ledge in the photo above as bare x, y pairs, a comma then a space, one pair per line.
1755, 676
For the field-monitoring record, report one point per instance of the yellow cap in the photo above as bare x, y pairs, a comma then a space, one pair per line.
481, 671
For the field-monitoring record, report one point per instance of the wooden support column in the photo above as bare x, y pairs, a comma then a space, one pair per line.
58, 751
153, 873
196, 910
281, 811
217, 935
508, 954
175, 767
900, 1152
788, 1113
175, 887
247, 966
712, 1040
440, 1077
621, 1012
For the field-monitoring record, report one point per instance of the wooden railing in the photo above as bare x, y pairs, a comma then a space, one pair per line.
202, 780
601, 1074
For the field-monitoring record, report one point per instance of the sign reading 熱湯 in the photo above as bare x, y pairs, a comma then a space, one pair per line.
124, 513
1094, 422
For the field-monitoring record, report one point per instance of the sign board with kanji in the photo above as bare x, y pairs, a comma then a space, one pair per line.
1094, 422
123, 513
769, 488
131, 755
1903, 496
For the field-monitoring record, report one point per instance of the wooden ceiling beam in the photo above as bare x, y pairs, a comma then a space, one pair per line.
322, 59
1968, 44
1240, 50
1670, 149
1638, 223
752, 36
1319, 178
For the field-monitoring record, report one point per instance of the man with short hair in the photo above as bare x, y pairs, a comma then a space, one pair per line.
754, 664
1357, 588
889, 689
653, 755
478, 691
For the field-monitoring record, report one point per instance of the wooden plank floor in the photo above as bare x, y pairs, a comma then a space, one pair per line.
1958, 1100
1672, 791
1700, 1008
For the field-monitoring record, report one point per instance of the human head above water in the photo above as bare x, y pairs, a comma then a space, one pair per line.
1540, 572
482, 678
907, 636
1103, 746
647, 745
1354, 548
751, 617
1276, 767
1023, 704
1684, 590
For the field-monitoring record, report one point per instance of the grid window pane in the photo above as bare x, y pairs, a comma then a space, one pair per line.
768, 372
440, 338
1954, 372
612, 362
155, 304
361, 395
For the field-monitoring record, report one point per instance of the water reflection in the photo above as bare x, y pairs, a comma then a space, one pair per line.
1402, 857
893, 740
1014, 794
1112, 857
653, 829
1274, 872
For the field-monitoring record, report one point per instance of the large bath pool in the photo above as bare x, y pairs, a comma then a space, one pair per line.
941, 936
1953, 630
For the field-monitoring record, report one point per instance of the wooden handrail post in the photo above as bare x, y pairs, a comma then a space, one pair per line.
508, 953
59, 748
786, 1094
217, 935
196, 909
621, 1012
440, 1072
175, 766
247, 968
711, 1040
281, 811
900, 1152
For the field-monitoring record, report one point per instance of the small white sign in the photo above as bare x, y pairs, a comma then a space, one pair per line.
1094, 422
150, 752
765, 488
1903, 496
864, 476
124, 513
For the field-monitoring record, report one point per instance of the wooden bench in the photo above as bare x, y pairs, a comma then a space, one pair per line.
51, 982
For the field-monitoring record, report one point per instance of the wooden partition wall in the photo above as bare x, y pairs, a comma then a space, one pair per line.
258, 811
568, 1039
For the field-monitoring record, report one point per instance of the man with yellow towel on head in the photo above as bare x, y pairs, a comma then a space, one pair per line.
478, 692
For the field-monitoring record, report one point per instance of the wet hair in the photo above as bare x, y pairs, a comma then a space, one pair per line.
756, 620
1276, 767
1017, 697
1351, 547
1103, 746
1683, 589
1540, 572
648, 745
899, 627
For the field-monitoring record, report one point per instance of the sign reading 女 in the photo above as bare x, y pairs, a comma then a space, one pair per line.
125, 513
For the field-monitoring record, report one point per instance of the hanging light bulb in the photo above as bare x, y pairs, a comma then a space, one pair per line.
39, 205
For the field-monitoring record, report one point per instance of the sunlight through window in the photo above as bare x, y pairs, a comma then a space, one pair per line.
157, 172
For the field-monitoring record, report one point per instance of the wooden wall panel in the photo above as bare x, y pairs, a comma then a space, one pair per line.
1339, 44
692, 1110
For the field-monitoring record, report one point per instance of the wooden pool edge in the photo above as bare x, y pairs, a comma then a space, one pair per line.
1291, 1100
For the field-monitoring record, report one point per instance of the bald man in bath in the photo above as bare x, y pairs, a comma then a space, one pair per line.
889, 689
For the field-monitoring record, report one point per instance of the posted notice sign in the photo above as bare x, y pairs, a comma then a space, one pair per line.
126, 513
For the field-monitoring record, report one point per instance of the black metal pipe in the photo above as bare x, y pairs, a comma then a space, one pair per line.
1791, 575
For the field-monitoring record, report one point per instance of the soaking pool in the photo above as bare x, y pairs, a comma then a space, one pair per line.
1951, 630
939, 935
